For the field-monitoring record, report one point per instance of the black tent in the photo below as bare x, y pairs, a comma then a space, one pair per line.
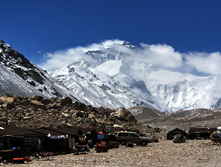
176, 131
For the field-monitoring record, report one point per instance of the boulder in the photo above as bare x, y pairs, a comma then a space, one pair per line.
6, 99
91, 116
80, 114
46, 101
82, 106
24, 102
37, 98
55, 105
38, 104
66, 115
8, 105
179, 138
124, 114
66, 101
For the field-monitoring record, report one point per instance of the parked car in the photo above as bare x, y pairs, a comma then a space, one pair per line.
124, 137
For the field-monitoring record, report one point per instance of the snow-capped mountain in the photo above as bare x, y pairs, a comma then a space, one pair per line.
113, 77
97, 87
19, 77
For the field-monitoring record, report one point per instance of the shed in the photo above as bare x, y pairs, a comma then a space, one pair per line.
12, 136
52, 140
200, 133
175, 132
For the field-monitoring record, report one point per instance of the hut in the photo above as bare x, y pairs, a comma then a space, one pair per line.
12, 136
52, 141
16, 141
200, 133
176, 131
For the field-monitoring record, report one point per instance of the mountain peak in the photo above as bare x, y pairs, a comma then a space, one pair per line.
128, 44
1, 41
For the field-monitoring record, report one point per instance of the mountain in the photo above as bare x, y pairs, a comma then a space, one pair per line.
116, 76
183, 119
101, 78
20, 77
98, 88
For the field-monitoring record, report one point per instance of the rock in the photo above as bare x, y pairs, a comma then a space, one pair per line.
69, 124
55, 112
6, 99
117, 126
98, 120
26, 118
72, 111
24, 102
124, 114
46, 101
82, 106
38, 104
80, 114
65, 101
37, 98
54, 106
66, 115
91, 116
9, 105
179, 138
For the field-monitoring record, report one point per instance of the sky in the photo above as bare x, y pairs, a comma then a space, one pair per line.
40, 29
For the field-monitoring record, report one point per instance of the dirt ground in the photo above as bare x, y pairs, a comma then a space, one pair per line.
192, 153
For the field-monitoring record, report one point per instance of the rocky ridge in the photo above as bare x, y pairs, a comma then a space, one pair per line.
36, 112
20, 77
182, 119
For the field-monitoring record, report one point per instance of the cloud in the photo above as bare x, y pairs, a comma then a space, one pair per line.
62, 58
205, 62
161, 55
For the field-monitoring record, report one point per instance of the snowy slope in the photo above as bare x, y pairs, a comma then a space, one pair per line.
19, 77
113, 79
182, 91
12, 85
97, 87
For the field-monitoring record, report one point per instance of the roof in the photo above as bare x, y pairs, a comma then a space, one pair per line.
45, 132
72, 131
62, 131
193, 129
176, 130
14, 130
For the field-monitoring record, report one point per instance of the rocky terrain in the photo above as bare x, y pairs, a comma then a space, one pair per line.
192, 153
38, 112
182, 119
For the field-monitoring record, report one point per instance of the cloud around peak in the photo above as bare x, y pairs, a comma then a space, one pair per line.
208, 63
161, 55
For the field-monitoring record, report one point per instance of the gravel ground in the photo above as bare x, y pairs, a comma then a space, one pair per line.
193, 153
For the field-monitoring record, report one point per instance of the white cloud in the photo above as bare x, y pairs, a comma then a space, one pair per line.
161, 55
205, 62
62, 58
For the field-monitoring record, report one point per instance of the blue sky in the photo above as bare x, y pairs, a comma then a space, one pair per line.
38, 27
